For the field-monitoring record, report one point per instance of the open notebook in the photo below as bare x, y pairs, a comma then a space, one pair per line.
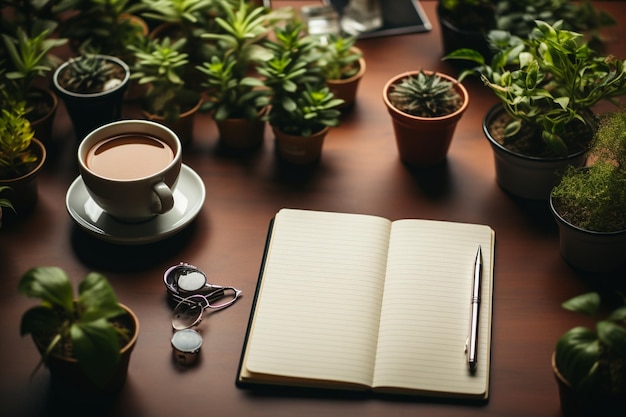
352, 301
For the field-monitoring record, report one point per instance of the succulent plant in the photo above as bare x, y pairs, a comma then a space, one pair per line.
16, 132
161, 64
425, 95
339, 59
90, 74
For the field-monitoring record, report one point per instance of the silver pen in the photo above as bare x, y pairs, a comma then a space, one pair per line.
472, 340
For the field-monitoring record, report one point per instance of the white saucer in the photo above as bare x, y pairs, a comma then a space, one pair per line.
189, 197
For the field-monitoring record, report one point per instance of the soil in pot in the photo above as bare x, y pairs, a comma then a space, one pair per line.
577, 137
524, 165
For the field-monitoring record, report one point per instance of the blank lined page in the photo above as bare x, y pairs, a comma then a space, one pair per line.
426, 308
319, 303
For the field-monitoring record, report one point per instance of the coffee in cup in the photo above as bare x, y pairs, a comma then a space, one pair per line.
130, 167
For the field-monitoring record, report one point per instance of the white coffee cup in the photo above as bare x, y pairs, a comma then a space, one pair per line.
130, 168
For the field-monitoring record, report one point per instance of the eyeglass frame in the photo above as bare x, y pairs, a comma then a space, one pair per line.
216, 294
207, 292
177, 294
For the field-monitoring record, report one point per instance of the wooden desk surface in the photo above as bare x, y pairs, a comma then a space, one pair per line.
359, 172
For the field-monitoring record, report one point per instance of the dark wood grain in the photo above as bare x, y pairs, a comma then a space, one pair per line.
359, 172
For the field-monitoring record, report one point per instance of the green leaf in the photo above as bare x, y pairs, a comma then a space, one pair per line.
466, 54
96, 349
618, 315
587, 304
613, 335
577, 353
96, 299
512, 128
50, 284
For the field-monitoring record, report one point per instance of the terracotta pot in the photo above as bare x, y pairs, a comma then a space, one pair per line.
241, 134
526, 176
23, 192
66, 371
423, 141
588, 250
300, 150
576, 404
183, 127
346, 89
42, 126
89, 111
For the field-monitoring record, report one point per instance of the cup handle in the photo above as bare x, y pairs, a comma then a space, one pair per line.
164, 200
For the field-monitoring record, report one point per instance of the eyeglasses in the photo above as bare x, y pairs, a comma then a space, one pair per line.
188, 289
190, 310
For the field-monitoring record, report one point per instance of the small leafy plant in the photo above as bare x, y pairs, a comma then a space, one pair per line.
83, 328
315, 108
425, 95
160, 64
547, 81
234, 90
241, 30
16, 157
100, 26
301, 104
594, 362
232, 95
339, 58
187, 19
594, 198
29, 58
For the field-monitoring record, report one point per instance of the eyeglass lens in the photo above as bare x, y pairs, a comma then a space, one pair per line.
188, 312
190, 280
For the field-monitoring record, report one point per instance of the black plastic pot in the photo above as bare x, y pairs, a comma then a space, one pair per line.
89, 111
529, 177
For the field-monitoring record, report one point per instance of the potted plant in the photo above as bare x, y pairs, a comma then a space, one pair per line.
589, 204
236, 95
28, 60
425, 107
102, 26
237, 103
184, 19
466, 23
21, 157
590, 366
92, 88
518, 17
547, 85
85, 340
302, 108
160, 64
343, 66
